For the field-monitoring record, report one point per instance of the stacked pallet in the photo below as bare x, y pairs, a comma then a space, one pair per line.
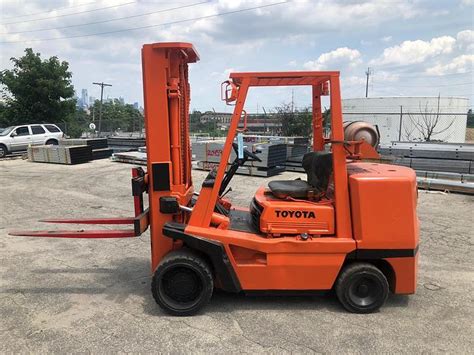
99, 147
94, 143
294, 163
209, 153
295, 146
440, 157
440, 166
138, 158
70, 154
125, 144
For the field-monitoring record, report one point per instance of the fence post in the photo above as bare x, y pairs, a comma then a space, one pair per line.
401, 121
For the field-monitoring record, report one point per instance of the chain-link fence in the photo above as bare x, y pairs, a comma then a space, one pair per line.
415, 126
105, 127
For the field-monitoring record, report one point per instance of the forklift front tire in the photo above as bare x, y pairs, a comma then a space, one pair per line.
182, 283
362, 288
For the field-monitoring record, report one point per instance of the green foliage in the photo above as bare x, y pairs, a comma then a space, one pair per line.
294, 122
327, 118
470, 119
78, 124
116, 115
36, 91
196, 126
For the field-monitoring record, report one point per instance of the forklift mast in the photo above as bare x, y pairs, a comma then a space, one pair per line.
166, 97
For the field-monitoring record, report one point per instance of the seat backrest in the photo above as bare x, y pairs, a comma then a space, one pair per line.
318, 167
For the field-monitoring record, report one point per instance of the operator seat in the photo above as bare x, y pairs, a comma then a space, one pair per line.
318, 167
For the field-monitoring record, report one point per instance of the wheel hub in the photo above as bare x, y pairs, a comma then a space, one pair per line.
364, 291
182, 285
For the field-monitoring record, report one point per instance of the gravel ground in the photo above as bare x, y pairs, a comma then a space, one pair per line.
94, 296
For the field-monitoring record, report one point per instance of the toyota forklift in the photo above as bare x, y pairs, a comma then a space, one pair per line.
351, 226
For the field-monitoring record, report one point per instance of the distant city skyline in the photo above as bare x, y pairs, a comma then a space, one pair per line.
85, 101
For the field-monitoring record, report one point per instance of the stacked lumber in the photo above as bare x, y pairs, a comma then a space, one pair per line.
295, 146
138, 158
100, 149
94, 143
439, 166
273, 155
437, 151
70, 154
125, 144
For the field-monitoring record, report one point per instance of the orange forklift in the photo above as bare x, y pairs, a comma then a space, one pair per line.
351, 226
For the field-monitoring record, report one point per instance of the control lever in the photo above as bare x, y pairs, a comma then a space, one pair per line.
225, 193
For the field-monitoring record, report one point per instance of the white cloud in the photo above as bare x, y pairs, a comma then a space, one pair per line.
411, 52
461, 64
384, 76
386, 39
465, 40
339, 57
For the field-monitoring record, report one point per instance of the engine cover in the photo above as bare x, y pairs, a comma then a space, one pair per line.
281, 217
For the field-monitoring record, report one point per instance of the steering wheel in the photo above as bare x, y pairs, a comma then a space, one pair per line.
247, 154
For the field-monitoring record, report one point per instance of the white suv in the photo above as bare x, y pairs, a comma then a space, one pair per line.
18, 138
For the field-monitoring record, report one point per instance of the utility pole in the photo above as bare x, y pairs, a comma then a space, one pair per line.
292, 100
264, 120
368, 73
101, 99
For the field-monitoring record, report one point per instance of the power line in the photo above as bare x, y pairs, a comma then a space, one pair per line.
72, 14
45, 12
431, 85
151, 26
432, 75
111, 20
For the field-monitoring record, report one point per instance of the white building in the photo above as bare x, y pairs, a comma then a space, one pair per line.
409, 118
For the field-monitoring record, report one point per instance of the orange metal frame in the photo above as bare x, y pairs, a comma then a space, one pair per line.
201, 216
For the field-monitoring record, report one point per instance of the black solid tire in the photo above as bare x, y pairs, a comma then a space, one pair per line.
52, 142
362, 288
3, 151
178, 268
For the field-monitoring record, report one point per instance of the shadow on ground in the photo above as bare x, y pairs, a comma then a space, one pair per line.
131, 276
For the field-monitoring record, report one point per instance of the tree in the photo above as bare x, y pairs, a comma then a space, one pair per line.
294, 122
37, 91
427, 122
117, 115
195, 121
470, 119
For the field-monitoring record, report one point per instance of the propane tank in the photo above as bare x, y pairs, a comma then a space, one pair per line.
360, 130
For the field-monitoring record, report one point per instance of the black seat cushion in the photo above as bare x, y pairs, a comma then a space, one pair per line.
290, 188
318, 167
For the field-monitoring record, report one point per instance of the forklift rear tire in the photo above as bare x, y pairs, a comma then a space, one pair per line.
182, 283
362, 288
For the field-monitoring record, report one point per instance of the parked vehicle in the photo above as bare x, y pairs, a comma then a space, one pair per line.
18, 138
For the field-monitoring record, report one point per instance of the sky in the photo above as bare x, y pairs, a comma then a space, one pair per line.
412, 47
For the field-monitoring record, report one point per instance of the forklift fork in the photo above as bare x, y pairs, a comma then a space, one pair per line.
140, 221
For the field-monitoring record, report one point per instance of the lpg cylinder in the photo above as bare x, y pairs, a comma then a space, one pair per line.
360, 130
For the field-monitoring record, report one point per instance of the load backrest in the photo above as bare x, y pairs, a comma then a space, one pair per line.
318, 167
